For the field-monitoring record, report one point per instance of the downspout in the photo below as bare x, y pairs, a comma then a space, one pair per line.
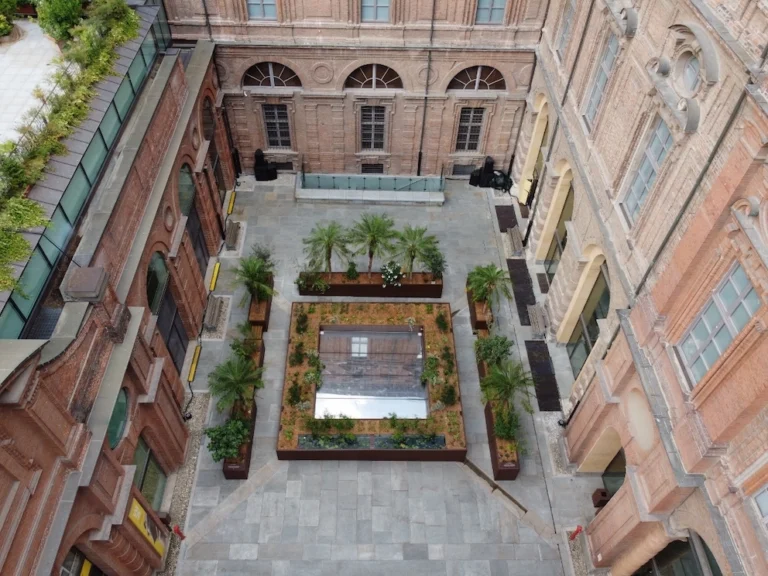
207, 20
426, 88
572, 73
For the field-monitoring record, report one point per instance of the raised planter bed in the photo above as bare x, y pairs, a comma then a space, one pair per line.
420, 286
482, 367
476, 316
440, 437
258, 356
505, 467
258, 314
237, 468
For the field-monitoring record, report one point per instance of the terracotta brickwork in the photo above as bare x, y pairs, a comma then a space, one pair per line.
696, 451
44, 436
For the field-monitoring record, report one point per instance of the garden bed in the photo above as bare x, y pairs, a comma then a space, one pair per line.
258, 313
421, 285
237, 468
439, 437
477, 318
505, 459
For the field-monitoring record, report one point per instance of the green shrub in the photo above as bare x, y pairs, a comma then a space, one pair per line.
313, 359
8, 9
492, 350
314, 378
448, 395
58, 17
351, 273
447, 357
434, 262
225, 440
318, 426
5, 26
506, 425
442, 322
294, 392
302, 321
296, 358
429, 308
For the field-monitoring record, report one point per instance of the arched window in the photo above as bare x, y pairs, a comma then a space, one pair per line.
559, 238
117, 421
149, 477
270, 75
587, 331
209, 133
209, 120
186, 189
478, 78
157, 281
373, 76
691, 557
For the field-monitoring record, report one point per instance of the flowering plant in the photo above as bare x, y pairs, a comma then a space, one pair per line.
392, 273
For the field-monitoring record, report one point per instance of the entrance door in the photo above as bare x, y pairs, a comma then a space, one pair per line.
172, 330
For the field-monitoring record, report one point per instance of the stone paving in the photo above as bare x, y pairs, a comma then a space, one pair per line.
317, 518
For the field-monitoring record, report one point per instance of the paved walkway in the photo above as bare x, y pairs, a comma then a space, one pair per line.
360, 518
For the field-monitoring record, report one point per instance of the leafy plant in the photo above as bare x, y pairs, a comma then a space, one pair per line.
413, 244
506, 382
373, 234
506, 425
294, 392
6, 26
296, 357
302, 321
245, 345
58, 17
313, 359
17, 215
429, 308
447, 357
437, 406
448, 395
318, 426
314, 377
263, 252
254, 274
434, 262
487, 284
492, 350
225, 440
430, 373
442, 322
391, 274
234, 380
8, 9
351, 273
324, 242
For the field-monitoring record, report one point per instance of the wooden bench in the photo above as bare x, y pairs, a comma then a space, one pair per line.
232, 234
539, 320
213, 312
516, 241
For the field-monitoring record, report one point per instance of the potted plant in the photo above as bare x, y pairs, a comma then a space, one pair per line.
434, 262
234, 383
484, 286
505, 383
373, 234
227, 440
490, 352
413, 244
324, 242
255, 275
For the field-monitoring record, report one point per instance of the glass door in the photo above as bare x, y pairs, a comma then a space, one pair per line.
172, 330
195, 230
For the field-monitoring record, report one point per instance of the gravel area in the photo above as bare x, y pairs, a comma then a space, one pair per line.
576, 549
185, 478
221, 325
238, 251
554, 434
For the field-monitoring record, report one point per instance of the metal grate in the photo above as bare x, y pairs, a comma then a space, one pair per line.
463, 169
506, 217
44, 324
543, 283
284, 165
522, 286
544, 381
372, 168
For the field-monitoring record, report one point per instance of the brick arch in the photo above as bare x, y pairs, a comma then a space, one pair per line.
157, 246
183, 158
555, 209
74, 532
338, 82
540, 123
459, 67
603, 450
153, 436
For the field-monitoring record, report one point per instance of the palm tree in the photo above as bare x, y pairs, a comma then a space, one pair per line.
325, 241
374, 234
255, 275
236, 379
487, 283
504, 383
414, 244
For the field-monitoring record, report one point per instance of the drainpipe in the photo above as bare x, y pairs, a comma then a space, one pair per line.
207, 20
426, 88
557, 119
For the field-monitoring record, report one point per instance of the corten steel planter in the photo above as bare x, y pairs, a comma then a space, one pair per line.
258, 356
478, 320
501, 470
237, 468
420, 286
258, 314
482, 367
380, 454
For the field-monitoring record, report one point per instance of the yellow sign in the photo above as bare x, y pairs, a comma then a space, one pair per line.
146, 526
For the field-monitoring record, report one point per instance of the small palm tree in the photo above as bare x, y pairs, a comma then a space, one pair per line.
414, 244
504, 383
254, 274
234, 380
487, 283
325, 241
373, 234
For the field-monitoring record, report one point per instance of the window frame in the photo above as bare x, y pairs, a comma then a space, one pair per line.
725, 321
260, 4
469, 125
372, 124
656, 165
594, 100
359, 347
566, 27
274, 109
376, 5
762, 517
140, 475
494, 6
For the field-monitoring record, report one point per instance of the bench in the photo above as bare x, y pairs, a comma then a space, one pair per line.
539, 320
232, 234
213, 312
516, 241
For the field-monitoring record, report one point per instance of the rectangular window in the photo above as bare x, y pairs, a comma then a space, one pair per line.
725, 314
601, 78
761, 500
463, 169
359, 346
110, 125
490, 11
124, 98
653, 157
149, 477
137, 72
276, 122
470, 125
565, 29
375, 11
372, 124
262, 9
372, 168
94, 157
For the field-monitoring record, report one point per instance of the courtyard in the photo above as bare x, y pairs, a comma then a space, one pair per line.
363, 517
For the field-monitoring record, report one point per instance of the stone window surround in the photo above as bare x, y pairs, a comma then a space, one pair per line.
592, 84
261, 4
257, 104
376, 5
763, 516
480, 101
565, 30
504, 19
389, 111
